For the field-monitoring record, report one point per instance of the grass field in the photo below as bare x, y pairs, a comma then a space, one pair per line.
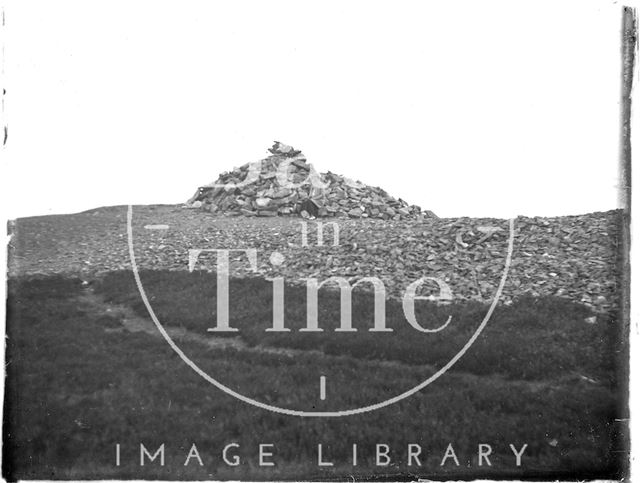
78, 385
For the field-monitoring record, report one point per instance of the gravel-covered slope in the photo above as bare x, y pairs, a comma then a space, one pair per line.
574, 256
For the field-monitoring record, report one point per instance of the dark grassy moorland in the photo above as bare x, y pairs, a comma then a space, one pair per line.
534, 339
78, 385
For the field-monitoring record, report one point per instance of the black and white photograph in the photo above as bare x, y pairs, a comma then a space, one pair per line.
278, 240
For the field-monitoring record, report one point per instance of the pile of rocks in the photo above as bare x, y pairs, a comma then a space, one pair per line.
284, 184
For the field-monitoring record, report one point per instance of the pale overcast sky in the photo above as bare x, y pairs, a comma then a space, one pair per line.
469, 108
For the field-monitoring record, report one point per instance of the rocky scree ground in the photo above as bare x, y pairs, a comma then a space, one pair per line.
577, 257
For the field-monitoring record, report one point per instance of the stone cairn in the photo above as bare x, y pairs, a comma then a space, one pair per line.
284, 184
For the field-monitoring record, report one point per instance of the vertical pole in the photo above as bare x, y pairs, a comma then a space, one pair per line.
625, 356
